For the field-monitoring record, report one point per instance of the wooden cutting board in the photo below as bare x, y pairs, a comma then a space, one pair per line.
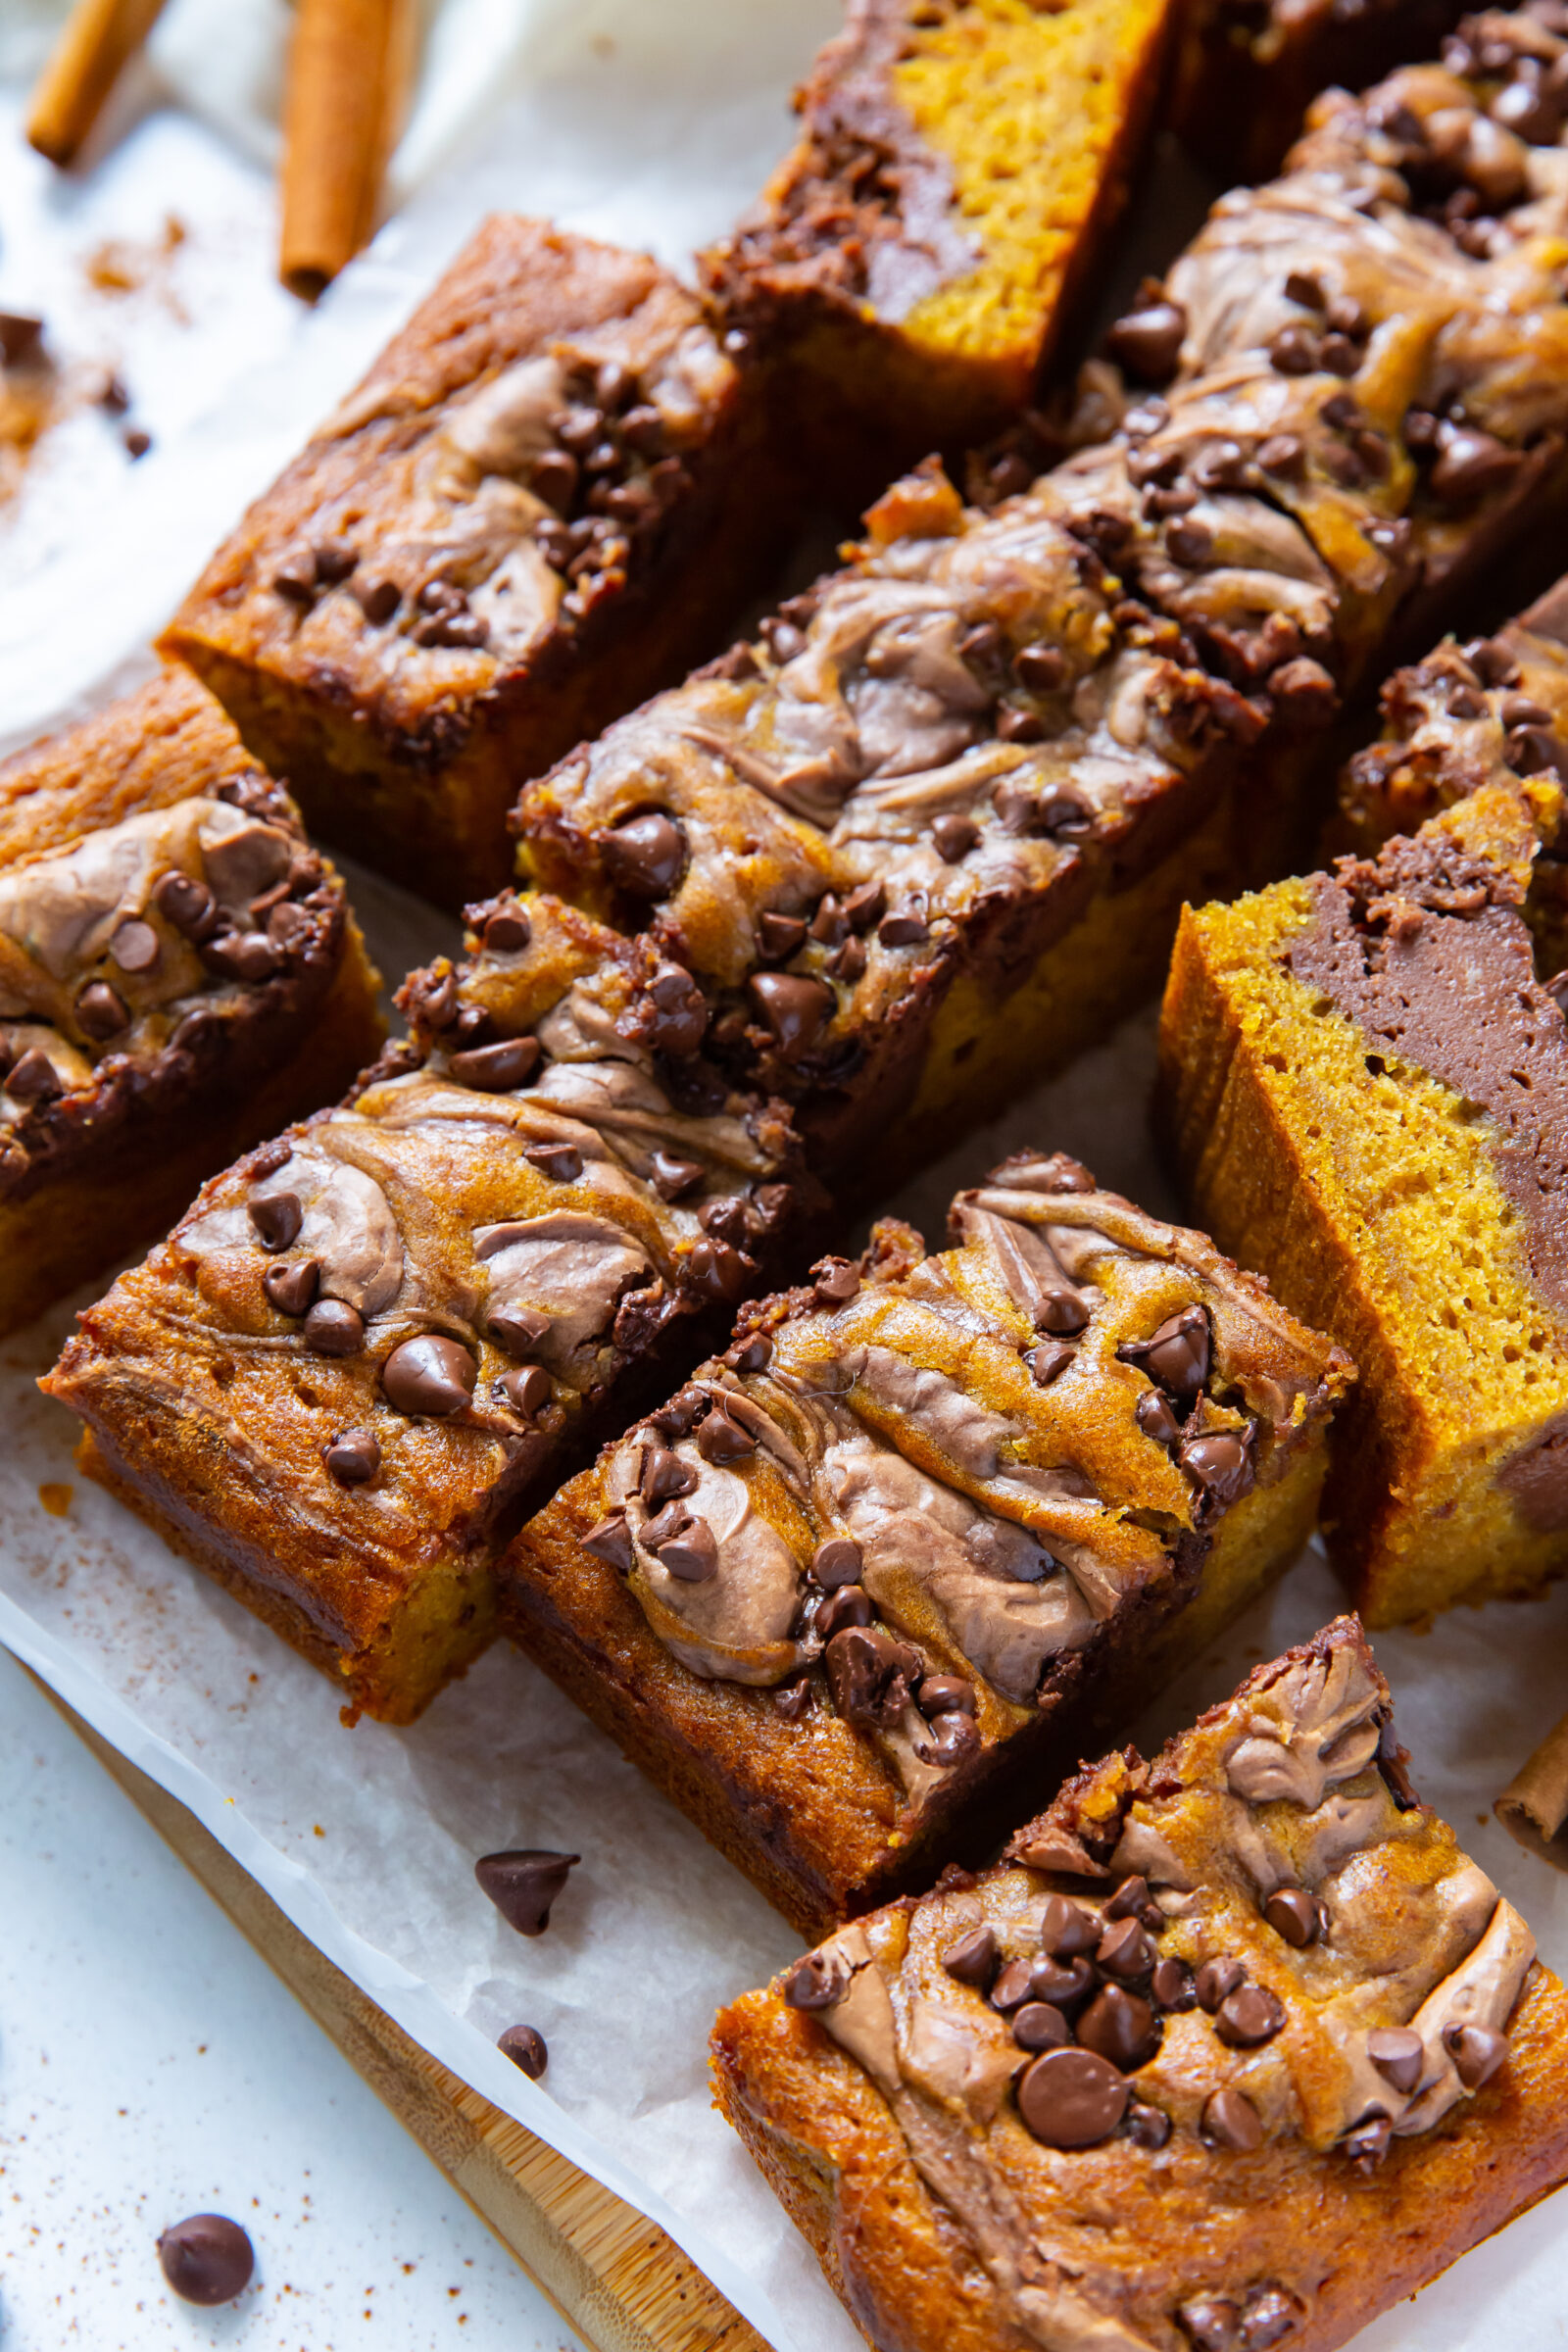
612, 2274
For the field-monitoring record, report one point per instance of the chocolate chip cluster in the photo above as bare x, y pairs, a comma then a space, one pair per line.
1461, 718
1176, 1412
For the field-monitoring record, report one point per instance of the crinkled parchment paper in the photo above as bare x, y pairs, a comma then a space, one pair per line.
651, 121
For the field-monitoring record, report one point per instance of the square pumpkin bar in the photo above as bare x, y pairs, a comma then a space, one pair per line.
373, 1343
1233, 2050
896, 1552
547, 498
1368, 1093
180, 975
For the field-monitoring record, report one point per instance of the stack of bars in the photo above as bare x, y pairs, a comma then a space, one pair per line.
547, 1323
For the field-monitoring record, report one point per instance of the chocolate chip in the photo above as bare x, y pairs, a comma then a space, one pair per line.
721, 1440
135, 947
1147, 341
335, 558
1303, 692
1177, 1355
1037, 2026
835, 1562
561, 1163
1392, 1762
834, 1282
1535, 752
1216, 1980
1338, 355
780, 936
1213, 2324
664, 1475
1283, 455
1189, 540
1222, 1465
517, 1329
792, 1700
1171, 1985
1119, 2026
1294, 350
275, 1218
525, 2045
672, 1176
241, 955
1231, 2121
186, 903
1060, 1312
849, 1604
645, 855
1249, 2016
354, 1457
1124, 1950
1071, 2098
1146, 2127
292, 1288
1293, 1913
951, 1737
1014, 724
973, 1959
506, 931
953, 836
1477, 2054
1156, 1419
206, 2257
21, 335
863, 907
554, 477
797, 1009
945, 1695
1049, 1361
905, 929
1042, 667
753, 1353
716, 1271
429, 1374
528, 1390
496, 1069
1061, 1980
522, 1883
1013, 1985
100, 1010
1473, 465
377, 599
295, 575
1397, 2054
816, 1982
1066, 1930
690, 1552
609, 1540
830, 923
1270, 2318
869, 1675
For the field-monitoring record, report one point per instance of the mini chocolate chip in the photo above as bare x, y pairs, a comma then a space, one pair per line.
816, 1982
1222, 1465
207, 2259
1156, 1419
561, 1163
1477, 2054
1071, 2098
780, 936
797, 1009
1049, 1361
506, 931
1294, 350
1060, 1312
522, 1883
664, 1475
498, 1069
945, 1695
1249, 2016
1177, 1355
953, 836
1017, 725
1147, 341
1231, 2121
689, 1553
136, 946
835, 1282
429, 1374
1216, 1980
1292, 1913
1119, 2026
295, 575
835, 1562
554, 477
1338, 355
1066, 1930
645, 855
101, 1010
972, 1960
1037, 2026
721, 1440
610, 1540
379, 598
335, 558
1171, 1985
1189, 539
905, 929
1146, 2127
184, 903
1124, 1950
517, 1328
849, 1604
275, 1218
1213, 2324
951, 1737
753, 1353
354, 1457
1284, 455
1042, 667
292, 1288
672, 1176
529, 1388
525, 2045
1397, 2054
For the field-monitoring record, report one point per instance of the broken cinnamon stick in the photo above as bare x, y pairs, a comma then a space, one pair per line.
349, 73
1534, 1806
100, 36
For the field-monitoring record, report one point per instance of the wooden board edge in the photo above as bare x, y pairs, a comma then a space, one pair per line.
613, 2275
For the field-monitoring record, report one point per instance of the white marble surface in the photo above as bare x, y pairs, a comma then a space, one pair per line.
151, 2065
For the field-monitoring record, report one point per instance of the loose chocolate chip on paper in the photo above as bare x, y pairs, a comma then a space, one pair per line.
206, 2257
525, 2046
973, 1959
523, 1881
334, 1328
354, 1457
429, 1374
1071, 2098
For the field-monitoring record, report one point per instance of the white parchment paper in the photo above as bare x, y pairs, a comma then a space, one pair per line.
651, 121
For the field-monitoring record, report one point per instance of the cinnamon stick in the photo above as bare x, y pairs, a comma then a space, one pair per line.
100, 36
349, 73
1534, 1806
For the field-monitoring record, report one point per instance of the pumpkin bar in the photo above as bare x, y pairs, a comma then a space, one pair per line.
530, 515
179, 973
910, 265
1234, 2049
1368, 1093
894, 1551
371, 1343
